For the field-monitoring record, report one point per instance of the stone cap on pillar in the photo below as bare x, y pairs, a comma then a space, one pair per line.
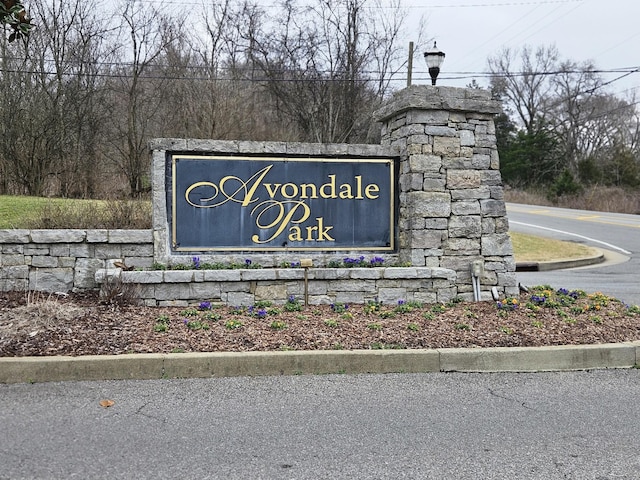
427, 97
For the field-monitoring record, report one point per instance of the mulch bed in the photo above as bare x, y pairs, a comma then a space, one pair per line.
80, 324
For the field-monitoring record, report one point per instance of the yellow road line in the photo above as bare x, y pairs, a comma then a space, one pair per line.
590, 218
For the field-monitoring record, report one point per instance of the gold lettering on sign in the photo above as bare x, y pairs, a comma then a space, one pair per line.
280, 216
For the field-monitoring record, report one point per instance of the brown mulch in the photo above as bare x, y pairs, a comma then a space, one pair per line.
79, 324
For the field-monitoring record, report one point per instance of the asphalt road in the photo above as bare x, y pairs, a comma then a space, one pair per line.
579, 425
617, 234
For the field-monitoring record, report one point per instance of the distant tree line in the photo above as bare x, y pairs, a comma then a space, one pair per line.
561, 130
84, 86
87, 88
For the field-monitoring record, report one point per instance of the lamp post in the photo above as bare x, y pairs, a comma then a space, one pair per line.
434, 59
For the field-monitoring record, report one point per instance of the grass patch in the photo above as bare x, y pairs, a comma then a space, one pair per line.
529, 248
37, 212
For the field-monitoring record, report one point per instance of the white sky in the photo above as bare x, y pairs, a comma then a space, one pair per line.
606, 32
468, 31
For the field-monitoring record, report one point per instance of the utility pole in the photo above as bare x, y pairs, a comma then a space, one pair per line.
410, 64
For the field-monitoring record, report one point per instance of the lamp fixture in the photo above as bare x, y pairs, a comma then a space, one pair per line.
434, 58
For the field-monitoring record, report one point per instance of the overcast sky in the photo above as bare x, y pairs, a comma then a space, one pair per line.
604, 31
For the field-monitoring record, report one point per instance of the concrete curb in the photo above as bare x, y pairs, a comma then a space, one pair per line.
595, 259
229, 364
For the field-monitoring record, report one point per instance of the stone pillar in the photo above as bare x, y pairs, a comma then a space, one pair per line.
452, 209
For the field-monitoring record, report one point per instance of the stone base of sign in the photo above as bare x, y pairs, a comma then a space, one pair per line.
324, 285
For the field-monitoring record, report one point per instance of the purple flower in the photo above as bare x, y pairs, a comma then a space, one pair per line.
401, 302
251, 309
377, 261
292, 299
196, 262
247, 261
563, 291
205, 306
262, 313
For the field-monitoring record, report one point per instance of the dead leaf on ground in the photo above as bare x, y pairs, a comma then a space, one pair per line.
107, 403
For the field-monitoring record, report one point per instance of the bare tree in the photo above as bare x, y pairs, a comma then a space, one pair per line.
521, 78
134, 95
48, 100
325, 65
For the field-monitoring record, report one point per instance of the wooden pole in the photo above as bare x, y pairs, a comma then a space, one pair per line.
410, 64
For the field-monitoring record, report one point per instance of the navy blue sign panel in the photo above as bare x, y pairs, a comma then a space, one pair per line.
229, 203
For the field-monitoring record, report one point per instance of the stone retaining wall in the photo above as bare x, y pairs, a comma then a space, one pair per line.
325, 285
451, 217
65, 260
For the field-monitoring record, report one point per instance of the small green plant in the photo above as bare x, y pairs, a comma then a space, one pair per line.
372, 306
189, 312
263, 304
293, 304
212, 316
337, 346
469, 314
278, 325
404, 307
508, 304
374, 326
633, 310
347, 316
506, 330
387, 346
330, 322
429, 316
237, 310
274, 311
454, 301
597, 319
161, 327
233, 324
301, 317
462, 326
537, 324
439, 308
414, 327
196, 324
387, 314
178, 350
407, 307
339, 307
162, 324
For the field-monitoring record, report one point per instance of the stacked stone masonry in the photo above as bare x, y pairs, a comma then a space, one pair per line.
324, 285
66, 260
452, 209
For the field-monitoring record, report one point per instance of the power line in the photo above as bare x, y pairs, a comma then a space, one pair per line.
449, 76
